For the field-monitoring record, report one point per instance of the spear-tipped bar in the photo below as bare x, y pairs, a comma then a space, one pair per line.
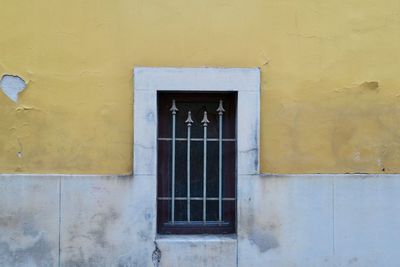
189, 120
220, 108
205, 122
220, 111
173, 110
189, 123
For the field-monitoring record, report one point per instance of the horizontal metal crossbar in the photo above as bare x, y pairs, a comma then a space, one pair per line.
198, 198
197, 139
195, 223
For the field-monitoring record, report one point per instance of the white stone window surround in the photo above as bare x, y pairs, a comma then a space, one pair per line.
150, 80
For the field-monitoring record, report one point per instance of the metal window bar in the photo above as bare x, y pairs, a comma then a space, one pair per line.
189, 122
205, 122
220, 111
173, 110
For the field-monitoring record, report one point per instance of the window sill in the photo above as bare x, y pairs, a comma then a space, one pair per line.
196, 238
198, 250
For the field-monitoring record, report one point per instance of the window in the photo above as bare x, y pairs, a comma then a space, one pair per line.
150, 84
196, 170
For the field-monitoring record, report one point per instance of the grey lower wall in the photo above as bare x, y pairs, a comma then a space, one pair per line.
284, 220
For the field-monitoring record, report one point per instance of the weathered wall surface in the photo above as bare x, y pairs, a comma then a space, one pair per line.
329, 104
29, 221
330, 84
284, 221
320, 220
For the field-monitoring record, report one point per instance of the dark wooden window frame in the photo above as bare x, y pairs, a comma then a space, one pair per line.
228, 225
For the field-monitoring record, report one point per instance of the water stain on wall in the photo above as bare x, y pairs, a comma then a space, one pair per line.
263, 240
22, 244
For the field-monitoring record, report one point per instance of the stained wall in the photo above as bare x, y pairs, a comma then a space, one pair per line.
329, 104
329, 91
284, 221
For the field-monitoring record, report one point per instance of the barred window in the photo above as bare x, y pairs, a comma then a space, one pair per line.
196, 192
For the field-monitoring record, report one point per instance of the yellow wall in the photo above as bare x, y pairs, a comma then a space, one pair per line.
330, 78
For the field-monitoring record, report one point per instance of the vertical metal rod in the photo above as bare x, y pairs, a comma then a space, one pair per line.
220, 111
173, 110
205, 122
189, 122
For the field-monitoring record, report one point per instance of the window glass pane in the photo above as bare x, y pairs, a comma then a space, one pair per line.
180, 210
164, 169
229, 169
212, 169
212, 210
181, 169
229, 211
196, 210
196, 183
164, 209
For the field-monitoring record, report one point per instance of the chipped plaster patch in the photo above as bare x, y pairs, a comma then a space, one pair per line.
12, 85
370, 85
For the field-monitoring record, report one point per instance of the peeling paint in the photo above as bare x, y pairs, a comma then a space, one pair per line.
26, 108
12, 85
156, 255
